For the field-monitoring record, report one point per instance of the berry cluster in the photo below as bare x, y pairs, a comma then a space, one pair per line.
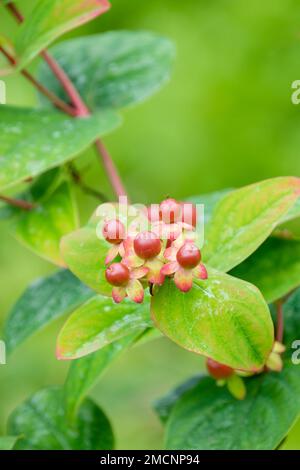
137, 258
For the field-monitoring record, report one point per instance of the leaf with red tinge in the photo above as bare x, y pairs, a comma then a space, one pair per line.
98, 323
49, 20
222, 317
244, 218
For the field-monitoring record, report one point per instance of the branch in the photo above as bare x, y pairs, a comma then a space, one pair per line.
51, 96
81, 110
76, 177
21, 204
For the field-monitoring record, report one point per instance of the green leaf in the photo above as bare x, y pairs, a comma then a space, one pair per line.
42, 425
274, 268
85, 255
84, 372
33, 141
49, 20
245, 218
7, 442
222, 317
43, 301
163, 406
209, 200
100, 322
209, 418
42, 228
114, 69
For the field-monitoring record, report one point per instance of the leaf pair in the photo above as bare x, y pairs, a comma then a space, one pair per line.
200, 415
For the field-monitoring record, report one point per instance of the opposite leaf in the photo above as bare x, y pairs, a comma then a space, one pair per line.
84, 372
49, 20
222, 317
100, 322
245, 218
207, 417
41, 423
274, 268
114, 69
43, 301
42, 228
33, 141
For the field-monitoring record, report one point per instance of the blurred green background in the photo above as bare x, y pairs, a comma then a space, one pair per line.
226, 119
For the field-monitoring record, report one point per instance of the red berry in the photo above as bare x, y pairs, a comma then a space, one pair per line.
147, 245
189, 213
170, 211
188, 256
217, 370
117, 274
114, 231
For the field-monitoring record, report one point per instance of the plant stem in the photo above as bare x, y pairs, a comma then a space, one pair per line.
280, 320
76, 177
25, 205
51, 96
81, 110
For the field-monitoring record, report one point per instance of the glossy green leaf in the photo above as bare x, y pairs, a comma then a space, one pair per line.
7, 442
33, 141
274, 268
114, 69
43, 301
100, 322
204, 416
244, 218
86, 371
223, 318
42, 228
85, 255
49, 20
41, 423
164, 405
209, 418
209, 200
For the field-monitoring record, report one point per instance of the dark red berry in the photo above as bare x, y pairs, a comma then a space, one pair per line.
147, 245
218, 371
170, 211
189, 213
188, 256
114, 231
117, 274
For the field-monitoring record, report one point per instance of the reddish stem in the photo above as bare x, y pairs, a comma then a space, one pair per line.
51, 96
81, 109
25, 205
110, 169
62, 77
280, 321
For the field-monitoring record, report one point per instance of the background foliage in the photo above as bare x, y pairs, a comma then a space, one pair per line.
225, 120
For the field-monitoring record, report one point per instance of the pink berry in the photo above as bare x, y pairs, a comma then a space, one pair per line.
117, 274
218, 371
114, 231
147, 245
170, 211
189, 256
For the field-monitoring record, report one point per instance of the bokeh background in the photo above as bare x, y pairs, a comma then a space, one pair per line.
225, 120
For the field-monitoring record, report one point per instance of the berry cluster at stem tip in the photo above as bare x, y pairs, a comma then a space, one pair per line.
138, 258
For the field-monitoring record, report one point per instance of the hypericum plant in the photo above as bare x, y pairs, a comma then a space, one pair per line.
211, 300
